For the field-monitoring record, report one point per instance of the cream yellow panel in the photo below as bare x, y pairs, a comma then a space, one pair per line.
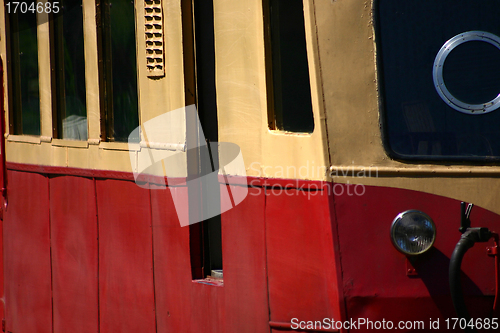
41, 154
160, 95
242, 100
347, 49
91, 70
3, 54
44, 75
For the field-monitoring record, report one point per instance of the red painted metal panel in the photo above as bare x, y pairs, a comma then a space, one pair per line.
300, 256
2, 286
3, 187
245, 271
126, 291
27, 254
182, 305
207, 308
374, 272
74, 254
171, 263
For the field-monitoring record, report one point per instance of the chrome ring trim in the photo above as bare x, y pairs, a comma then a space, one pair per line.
437, 73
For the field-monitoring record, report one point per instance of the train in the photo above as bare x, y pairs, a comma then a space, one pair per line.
249, 166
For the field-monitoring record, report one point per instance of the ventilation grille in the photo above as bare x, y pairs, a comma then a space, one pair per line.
154, 38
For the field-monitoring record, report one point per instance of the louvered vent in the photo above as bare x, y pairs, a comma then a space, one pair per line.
154, 38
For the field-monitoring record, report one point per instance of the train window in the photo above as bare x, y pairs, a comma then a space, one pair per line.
205, 237
24, 108
69, 65
291, 90
118, 79
441, 91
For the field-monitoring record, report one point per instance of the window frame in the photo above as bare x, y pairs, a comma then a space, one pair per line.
105, 69
205, 237
275, 119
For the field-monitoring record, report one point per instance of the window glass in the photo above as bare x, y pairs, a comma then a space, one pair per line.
290, 69
440, 63
24, 87
118, 51
70, 72
205, 237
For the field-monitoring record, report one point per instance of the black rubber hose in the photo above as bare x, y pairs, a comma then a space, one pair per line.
464, 244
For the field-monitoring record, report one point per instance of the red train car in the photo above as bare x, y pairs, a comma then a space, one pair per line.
250, 166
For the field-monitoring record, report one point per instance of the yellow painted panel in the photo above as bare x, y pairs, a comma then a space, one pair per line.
107, 160
160, 95
346, 45
346, 49
44, 75
242, 100
3, 54
91, 70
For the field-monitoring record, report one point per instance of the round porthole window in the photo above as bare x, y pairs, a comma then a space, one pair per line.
466, 72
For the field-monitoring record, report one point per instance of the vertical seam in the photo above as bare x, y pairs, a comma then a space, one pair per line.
50, 256
152, 257
98, 258
267, 261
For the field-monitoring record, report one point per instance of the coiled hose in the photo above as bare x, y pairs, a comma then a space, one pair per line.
468, 239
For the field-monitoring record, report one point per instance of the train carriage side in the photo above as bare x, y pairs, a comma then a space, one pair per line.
88, 245
331, 121
410, 100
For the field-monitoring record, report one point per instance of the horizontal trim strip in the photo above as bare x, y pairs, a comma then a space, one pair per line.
24, 138
374, 171
307, 185
164, 146
70, 171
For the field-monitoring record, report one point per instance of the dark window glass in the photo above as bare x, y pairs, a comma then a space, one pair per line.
471, 72
70, 72
422, 121
23, 74
290, 71
119, 69
205, 237
207, 111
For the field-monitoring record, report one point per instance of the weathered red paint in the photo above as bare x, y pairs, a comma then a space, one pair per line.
375, 282
171, 263
109, 256
2, 286
126, 291
182, 305
3, 201
73, 226
28, 297
300, 255
245, 268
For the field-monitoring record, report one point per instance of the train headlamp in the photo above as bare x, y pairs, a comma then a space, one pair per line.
413, 232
